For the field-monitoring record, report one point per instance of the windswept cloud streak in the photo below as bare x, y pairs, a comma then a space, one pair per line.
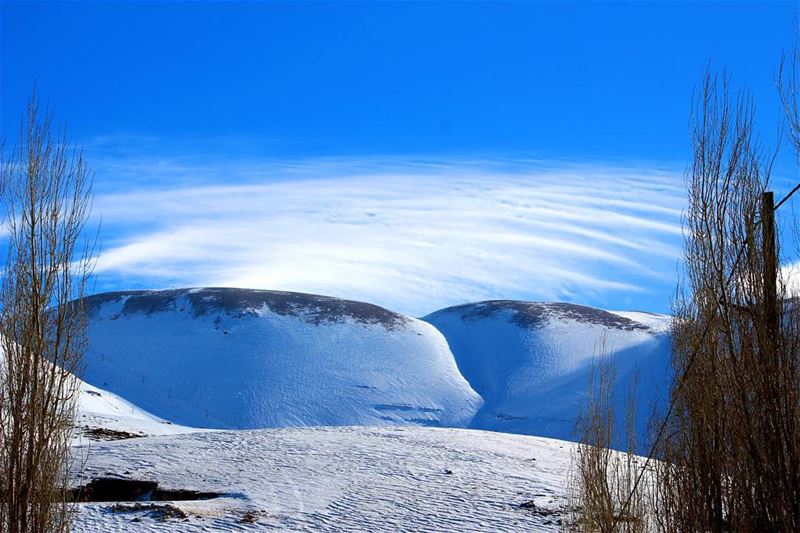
411, 237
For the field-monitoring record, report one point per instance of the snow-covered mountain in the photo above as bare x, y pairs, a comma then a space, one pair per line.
530, 361
235, 359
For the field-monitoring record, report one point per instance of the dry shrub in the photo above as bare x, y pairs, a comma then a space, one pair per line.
602, 478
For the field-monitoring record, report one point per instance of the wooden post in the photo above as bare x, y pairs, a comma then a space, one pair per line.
770, 260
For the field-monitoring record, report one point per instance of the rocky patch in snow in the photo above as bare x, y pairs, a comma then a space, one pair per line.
539, 314
311, 308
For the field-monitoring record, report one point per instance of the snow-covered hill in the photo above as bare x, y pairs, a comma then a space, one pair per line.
233, 358
229, 358
335, 479
530, 361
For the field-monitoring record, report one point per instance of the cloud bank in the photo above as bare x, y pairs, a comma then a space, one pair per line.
413, 236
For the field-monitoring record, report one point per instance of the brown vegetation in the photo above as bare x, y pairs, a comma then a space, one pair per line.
726, 453
47, 195
602, 478
730, 452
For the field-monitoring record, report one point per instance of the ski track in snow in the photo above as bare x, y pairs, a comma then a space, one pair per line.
340, 479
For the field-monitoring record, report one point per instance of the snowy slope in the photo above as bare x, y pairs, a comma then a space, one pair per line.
529, 361
102, 415
337, 479
233, 358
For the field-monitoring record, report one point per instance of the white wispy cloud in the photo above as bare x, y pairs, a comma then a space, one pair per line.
413, 236
790, 277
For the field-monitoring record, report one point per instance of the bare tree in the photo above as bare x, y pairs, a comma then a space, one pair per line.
46, 189
731, 450
728, 448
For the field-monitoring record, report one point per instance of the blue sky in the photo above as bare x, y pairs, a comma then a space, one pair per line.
411, 154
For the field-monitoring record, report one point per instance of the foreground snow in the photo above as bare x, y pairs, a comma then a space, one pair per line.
340, 479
